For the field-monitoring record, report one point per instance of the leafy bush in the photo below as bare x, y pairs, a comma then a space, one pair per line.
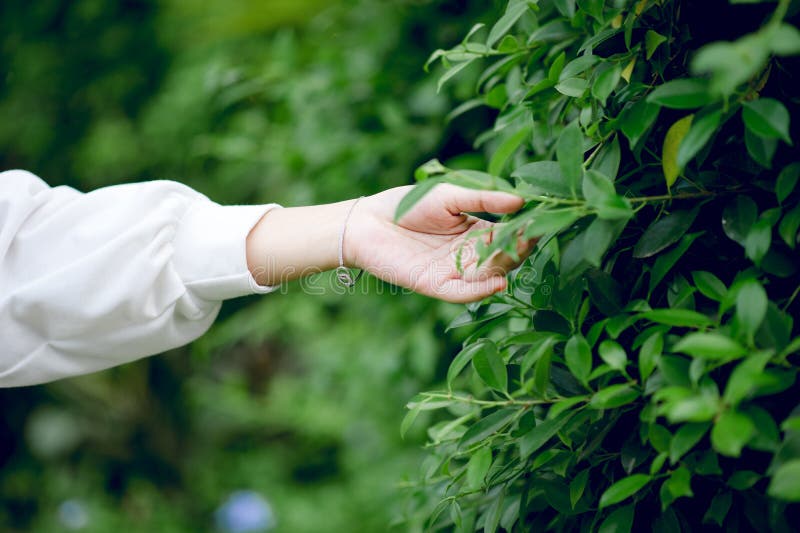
640, 370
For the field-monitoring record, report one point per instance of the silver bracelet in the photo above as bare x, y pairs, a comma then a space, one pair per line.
344, 274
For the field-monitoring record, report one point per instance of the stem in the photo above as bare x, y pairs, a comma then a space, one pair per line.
779, 13
489, 403
667, 197
791, 298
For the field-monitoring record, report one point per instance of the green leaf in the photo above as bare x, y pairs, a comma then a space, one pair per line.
605, 83
678, 485
700, 132
600, 195
718, 510
506, 150
732, 63
667, 260
506, 22
614, 396
685, 93
413, 196
787, 181
545, 177
409, 418
569, 152
637, 119
478, 466
789, 226
573, 87
649, 354
652, 40
613, 354
785, 40
604, 292
745, 377
738, 217
743, 479
664, 232
758, 241
751, 306
731, 432
669, 152
619, 521
487, 426
761, 149
494, 513
544, 222
624, 489
785, 483
542, 432
554, 72
686, 438
578, 356
608, 159
451, 73
683, 318
577, 486
600, 234
709, 285
709, 345
767, 117
577, 66
490, 367
464, 357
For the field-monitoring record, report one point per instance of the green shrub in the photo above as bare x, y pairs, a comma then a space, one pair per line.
640, 371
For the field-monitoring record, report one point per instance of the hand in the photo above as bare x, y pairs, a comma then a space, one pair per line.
419, 251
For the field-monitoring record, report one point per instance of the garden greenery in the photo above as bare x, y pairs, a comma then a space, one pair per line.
640, 370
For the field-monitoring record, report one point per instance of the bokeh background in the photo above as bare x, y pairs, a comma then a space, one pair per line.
285, 416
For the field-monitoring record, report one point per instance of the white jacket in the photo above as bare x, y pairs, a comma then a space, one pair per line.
89, 281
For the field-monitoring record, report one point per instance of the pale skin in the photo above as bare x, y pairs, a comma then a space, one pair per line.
418, 252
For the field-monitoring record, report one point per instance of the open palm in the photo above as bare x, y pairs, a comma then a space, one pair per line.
420, 251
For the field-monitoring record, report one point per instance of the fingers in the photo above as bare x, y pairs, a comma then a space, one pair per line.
461, 200
463, 291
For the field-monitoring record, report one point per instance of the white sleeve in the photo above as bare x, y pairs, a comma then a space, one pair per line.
89, 281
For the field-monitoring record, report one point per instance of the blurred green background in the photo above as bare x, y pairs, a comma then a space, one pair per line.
287, 411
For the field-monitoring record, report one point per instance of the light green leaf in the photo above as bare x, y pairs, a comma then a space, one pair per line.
619, 521
767, 117
785, 484
577, 66
613, 354
624, 489
687, 436
507, 149
578, 356
731, 433
487, 426
600, 195
573, 87
649, 354
451, 73
745, 377
652, 40
478, 466
758, 241
751, 306
506, 22
709, 345
614, 396
683, 318
542, 432
545, 178
684, 93
669, 152
414, 195
785, 40
678, 485
464, 357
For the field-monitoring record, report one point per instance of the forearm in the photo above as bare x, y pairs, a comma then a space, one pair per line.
293, 242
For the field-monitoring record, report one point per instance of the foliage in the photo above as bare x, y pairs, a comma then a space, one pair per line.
295, 395
640, 370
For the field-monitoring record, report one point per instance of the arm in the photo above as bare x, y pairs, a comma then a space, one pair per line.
419, 252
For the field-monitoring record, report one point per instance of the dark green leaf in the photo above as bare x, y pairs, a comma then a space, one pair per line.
718, 510
544, 222
573, 87
619, 521
604, 291
505, 23
667, 260
745, 377
758, 241
507, 149
577, 486
464, 357
686, 438
709, 285
787, 180
542, 432
578, 356
663, 232
605, 83
743, 479
487, 426
600, 195
789, 226
636, 120
678, 485
649, 354
767, 117
624, 489
569, 152
490, 367
652, 40
761, 149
